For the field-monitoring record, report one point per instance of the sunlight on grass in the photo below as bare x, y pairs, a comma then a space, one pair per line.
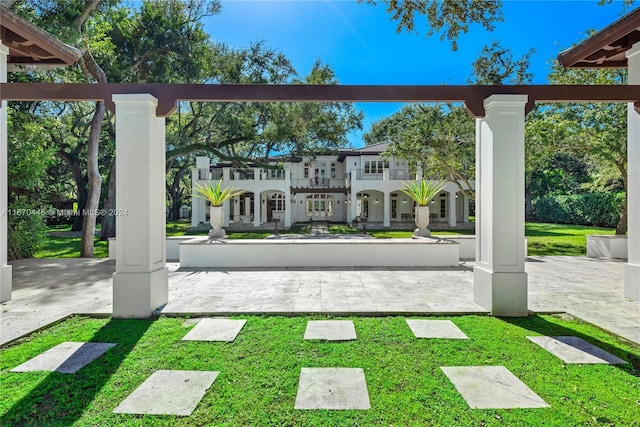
259, 373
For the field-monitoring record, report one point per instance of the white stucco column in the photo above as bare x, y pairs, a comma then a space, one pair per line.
632, 269
386, 218
453, 208
288, 196
140, 283
500, 281
353, 205
236, 209
5, 268
465, 208
257, 209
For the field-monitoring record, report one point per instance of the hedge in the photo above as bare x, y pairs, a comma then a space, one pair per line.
597, 209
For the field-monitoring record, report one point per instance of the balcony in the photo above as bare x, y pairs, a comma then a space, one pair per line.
384, 175
209, 174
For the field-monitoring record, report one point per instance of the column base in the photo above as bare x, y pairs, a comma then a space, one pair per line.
138, 295
503, 294
6, 285
632, 281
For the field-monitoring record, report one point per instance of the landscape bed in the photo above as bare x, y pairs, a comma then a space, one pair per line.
259, 373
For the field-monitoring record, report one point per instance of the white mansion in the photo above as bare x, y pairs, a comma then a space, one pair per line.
351, 185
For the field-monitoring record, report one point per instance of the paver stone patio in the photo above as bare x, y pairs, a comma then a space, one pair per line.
168, 393
66, 357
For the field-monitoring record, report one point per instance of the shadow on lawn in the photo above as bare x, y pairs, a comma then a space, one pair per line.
542, 326
60, 399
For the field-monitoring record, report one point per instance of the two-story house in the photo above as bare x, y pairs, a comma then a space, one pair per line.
351, 185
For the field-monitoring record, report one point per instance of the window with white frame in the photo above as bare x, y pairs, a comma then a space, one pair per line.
277, 202
319, 205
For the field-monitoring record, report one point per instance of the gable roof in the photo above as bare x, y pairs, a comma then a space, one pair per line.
607, 47
374, 148
31, 46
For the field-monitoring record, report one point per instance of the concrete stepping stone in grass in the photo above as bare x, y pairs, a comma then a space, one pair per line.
492, 387
330, 330
168, 393
332, 388
215, 330
66, 357
435, 329
575, 350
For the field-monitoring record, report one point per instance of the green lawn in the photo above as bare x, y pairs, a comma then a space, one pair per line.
259, 372
560, 239
544, 239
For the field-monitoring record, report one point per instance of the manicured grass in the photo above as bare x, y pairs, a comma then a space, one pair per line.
560, 239
259, 373
69, 247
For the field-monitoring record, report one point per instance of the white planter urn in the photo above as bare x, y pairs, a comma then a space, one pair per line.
216, 219
422, 221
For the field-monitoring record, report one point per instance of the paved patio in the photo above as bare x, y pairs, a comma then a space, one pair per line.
48, 290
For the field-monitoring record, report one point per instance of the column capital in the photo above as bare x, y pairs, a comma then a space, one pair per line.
501, 100
135, 99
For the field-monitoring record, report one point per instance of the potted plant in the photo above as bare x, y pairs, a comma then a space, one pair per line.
422, 192
216, 196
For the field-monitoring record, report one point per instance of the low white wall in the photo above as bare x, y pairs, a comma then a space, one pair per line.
607, 246
173, 247
468, 246
200, 252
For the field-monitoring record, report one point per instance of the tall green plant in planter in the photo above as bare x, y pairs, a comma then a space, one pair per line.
216, 195
422, 192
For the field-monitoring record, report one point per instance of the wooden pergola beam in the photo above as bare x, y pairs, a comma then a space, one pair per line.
169, 94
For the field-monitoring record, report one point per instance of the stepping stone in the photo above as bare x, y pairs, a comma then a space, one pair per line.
575, 350
492, 387
66, 358
168, 393
435, 329
215, 330
330, 330
332, 388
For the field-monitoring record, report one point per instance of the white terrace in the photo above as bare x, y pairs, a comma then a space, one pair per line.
353, 184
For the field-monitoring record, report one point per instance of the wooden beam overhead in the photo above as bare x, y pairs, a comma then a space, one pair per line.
168, 94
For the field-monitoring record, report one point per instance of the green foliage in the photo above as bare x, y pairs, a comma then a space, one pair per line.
26, 229
448, 17
421, 191
260, 370
496, 66
215, 194
599, 209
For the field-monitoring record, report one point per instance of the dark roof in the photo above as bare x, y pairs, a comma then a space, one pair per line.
607, 47
30, 46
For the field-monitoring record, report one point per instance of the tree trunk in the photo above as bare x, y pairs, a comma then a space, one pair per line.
95, 184
621, 227
109, 221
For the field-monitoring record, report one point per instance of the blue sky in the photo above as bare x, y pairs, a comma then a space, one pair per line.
360, 42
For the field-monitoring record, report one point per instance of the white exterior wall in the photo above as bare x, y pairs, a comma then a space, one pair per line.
632, 269
5, 269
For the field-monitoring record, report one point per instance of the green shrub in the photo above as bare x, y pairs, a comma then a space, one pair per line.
598, 209
26, 229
